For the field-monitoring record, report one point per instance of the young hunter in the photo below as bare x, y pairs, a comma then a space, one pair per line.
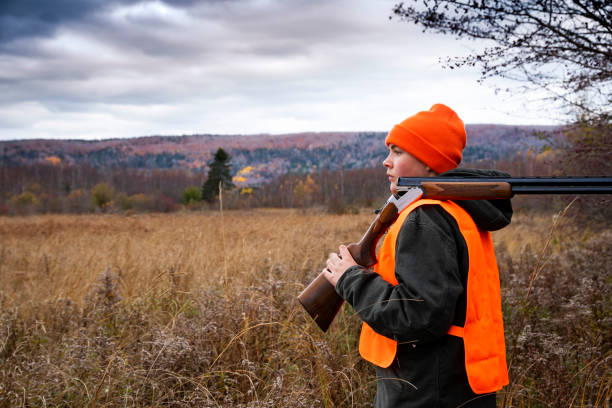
431, 308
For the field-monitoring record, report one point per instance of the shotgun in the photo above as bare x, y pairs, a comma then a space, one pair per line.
320, 298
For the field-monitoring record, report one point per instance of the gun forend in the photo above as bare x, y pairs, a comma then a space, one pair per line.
479, 190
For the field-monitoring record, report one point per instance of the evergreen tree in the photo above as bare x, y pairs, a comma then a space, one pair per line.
219, 173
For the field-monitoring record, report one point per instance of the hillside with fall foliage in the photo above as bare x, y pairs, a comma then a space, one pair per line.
165, 173
259, 158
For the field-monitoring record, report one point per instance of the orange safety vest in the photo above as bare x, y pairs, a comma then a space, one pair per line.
483, 332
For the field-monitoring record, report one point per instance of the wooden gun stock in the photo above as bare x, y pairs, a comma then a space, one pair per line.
320, 298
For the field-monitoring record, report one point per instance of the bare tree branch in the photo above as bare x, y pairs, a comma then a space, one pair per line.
560, 45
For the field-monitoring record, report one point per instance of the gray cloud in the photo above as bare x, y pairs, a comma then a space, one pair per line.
36, 18
216, 42
99, 68
32, 18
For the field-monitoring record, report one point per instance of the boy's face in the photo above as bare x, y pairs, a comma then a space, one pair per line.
400, 163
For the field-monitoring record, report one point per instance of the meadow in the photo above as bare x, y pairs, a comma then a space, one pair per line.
200, 310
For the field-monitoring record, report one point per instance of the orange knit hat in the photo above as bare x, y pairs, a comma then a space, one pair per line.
436, 137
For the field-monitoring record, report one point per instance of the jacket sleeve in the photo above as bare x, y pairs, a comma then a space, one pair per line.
422, 305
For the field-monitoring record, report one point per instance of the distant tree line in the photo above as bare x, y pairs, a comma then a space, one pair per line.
61, 188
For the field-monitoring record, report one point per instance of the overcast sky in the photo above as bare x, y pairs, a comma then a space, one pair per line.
92, 69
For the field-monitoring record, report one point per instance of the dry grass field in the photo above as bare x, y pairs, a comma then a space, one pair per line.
200, 310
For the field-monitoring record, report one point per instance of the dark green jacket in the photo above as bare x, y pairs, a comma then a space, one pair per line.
431, 265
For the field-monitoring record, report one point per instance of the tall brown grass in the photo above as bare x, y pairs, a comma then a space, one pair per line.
201, 310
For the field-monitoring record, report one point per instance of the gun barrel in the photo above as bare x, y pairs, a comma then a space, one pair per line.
523, 185
569, 189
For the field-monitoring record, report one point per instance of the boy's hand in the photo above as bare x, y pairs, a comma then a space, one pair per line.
337, 264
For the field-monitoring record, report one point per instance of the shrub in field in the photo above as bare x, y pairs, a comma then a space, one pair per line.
165, 203
124, 202
102, 195
191, 195
24, 203
142, 202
